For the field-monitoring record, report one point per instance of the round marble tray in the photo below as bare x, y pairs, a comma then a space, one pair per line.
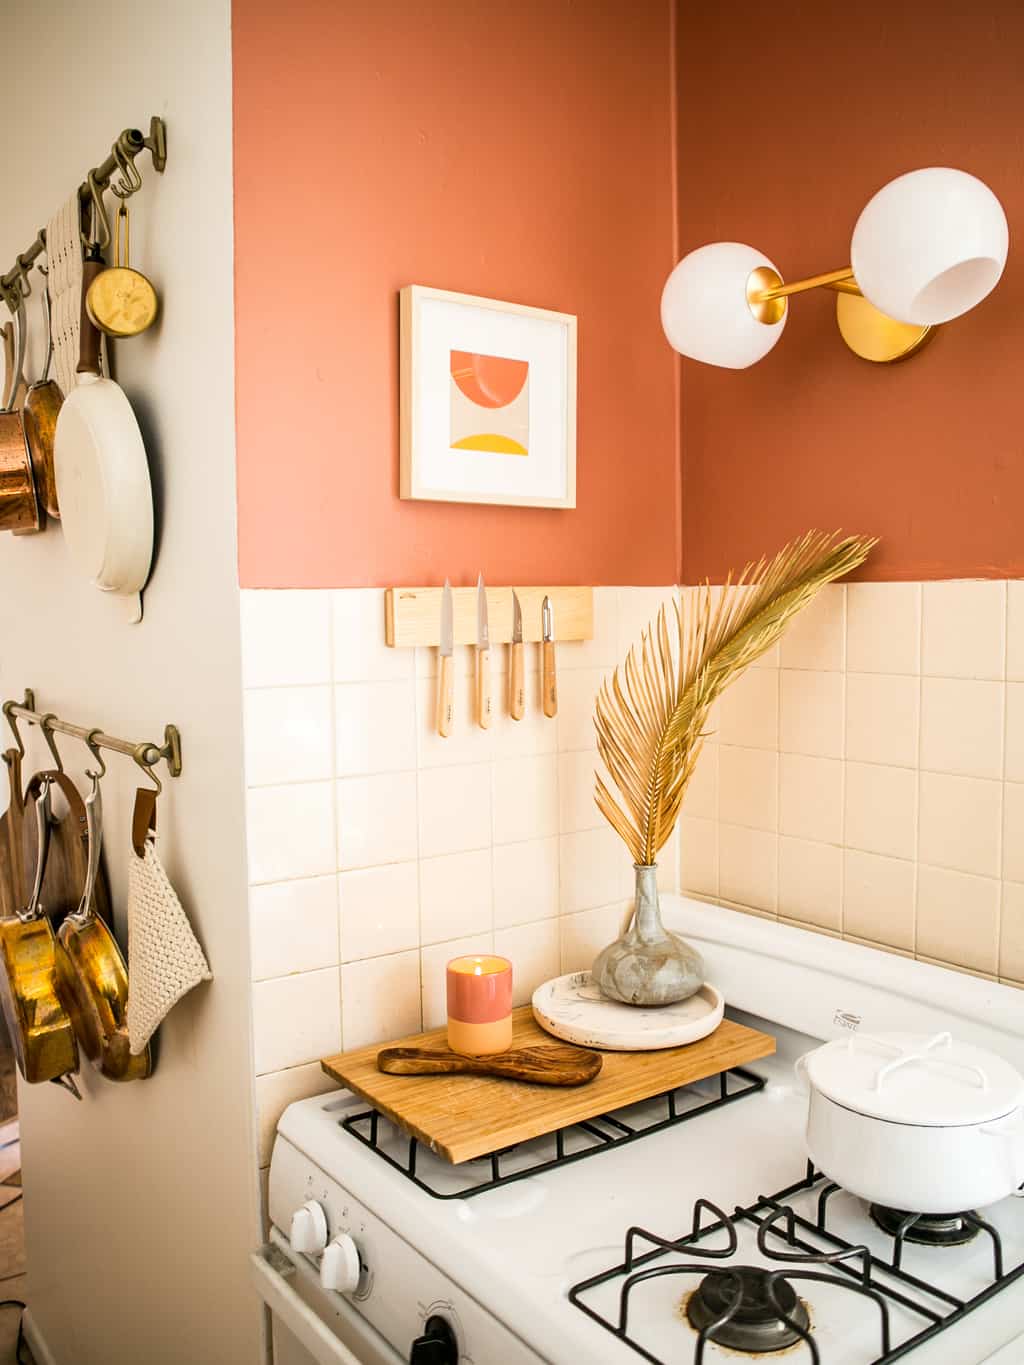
572, 1008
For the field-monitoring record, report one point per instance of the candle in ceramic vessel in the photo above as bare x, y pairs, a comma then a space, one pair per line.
479, 1005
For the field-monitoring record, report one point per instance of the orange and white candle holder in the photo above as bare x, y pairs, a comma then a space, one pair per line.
479, 1005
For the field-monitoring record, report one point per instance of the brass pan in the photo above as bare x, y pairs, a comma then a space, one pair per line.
40, 1027
91, 973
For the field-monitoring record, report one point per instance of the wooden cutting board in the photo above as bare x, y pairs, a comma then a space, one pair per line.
462, 1117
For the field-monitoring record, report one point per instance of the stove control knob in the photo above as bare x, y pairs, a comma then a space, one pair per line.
437, 1345
340, 1267
309, 1229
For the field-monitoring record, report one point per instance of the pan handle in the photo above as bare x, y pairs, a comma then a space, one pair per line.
43, 818
94, 826
89, 337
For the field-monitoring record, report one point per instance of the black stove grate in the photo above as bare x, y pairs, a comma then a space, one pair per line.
791, 1232
575, 1143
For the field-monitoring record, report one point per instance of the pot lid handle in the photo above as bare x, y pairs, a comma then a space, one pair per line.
921, 1055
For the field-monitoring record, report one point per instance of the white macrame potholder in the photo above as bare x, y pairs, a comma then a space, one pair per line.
64, 261
164, 958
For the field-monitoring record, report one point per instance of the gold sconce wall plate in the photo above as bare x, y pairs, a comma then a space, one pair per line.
874, 336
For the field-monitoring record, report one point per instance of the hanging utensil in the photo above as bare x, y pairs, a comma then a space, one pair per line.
19, 504
549, 682
68, 864
516, 680
445, 664
42, 405
103, 483
91, 971
120, 301
39, 1025
165, 960
483, 658
14, 892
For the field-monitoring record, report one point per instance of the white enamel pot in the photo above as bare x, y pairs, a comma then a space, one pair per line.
924, 1125
102, 475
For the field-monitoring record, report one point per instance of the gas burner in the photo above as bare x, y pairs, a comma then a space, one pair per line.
742, 1295
930, 1229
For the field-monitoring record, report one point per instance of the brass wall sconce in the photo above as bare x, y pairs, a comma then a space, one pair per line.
927, 247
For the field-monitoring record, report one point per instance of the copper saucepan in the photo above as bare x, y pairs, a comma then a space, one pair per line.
40, 409
19, 503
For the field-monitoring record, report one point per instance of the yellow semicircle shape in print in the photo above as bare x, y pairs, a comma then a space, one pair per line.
490, 442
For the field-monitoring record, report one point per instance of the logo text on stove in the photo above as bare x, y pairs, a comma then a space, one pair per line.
846, 1020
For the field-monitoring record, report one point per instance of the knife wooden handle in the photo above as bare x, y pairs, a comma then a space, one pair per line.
550, 682
516, 683
445, 702
483, 688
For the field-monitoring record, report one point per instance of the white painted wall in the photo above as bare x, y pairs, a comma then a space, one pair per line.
141, 1202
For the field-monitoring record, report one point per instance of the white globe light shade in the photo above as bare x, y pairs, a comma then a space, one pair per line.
930, 245
704, 308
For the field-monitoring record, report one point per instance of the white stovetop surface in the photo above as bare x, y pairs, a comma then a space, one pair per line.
518, 1250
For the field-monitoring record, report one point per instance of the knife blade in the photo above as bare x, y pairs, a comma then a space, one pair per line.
445, 703
549, 681
483, 657
517, 686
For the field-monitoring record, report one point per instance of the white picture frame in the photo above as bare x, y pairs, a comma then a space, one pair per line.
487, 401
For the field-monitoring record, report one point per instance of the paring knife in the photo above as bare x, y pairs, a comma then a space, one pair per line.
516, 685
549, 681
483, 658
445, 704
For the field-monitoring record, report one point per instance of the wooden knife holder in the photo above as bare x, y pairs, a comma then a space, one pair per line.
412, 616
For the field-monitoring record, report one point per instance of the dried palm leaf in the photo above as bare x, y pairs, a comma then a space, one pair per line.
651, 720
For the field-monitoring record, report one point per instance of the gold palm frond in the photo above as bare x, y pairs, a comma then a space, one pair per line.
651, 720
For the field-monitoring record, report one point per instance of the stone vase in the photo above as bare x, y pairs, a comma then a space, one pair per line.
648, 965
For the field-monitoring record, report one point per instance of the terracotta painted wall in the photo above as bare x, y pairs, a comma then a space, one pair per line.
520, 151
783, 152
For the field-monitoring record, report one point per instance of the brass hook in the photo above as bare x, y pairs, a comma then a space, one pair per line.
139, 754
45, 723
96, 755
131, 179
100, 227
13, 723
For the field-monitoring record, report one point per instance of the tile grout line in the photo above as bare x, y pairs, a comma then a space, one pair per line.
1002, 791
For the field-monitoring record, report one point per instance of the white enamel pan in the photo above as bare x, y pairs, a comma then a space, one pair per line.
102, 473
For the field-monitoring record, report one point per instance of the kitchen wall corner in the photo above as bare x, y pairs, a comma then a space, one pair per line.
378, 850
867, 781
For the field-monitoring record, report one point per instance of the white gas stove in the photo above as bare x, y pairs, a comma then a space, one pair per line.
423, 1265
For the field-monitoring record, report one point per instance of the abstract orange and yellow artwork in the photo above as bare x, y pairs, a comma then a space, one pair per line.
490, 403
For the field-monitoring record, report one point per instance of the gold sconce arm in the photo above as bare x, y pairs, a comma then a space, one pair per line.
867, 332
761, 292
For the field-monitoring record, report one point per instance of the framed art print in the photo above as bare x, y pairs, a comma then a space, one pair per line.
488, 401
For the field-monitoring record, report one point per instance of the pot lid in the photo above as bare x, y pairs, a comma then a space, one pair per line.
916, 1079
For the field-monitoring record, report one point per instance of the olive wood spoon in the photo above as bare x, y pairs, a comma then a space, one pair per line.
540, 1065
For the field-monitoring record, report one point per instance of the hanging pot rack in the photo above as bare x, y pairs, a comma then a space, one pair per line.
146, 753
14, 285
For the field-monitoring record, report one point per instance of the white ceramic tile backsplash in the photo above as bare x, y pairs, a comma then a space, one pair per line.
866, 778
900, 777
379, 850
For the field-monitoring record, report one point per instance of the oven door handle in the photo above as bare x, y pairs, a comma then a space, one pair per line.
270, 1267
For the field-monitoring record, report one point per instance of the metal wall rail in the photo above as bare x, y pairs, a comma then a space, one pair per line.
14, 286
146, 753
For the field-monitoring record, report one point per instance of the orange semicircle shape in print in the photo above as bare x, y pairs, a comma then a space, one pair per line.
491, 381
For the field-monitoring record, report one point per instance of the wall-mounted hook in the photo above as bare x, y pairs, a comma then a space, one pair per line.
100, 229
13, 723
44, 725
131, 181
90, 740
140, 754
